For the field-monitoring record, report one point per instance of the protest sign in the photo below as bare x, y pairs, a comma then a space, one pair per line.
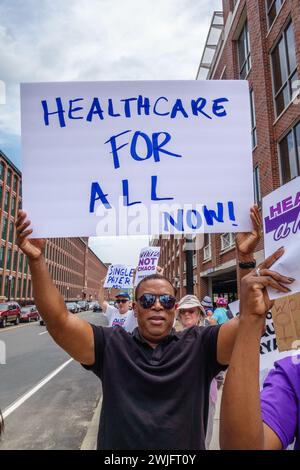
136, 158
147, 263
119, 276
234, 307
286, 315
281, 211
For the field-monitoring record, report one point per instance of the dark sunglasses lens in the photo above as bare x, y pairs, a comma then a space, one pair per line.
167, 301
147, 300
121, 301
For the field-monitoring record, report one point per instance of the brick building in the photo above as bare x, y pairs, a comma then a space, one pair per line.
75, 269
258, 41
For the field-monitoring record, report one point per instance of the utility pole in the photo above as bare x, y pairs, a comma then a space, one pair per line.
188, 248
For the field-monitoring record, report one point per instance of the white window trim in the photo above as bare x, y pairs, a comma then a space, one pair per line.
231, 242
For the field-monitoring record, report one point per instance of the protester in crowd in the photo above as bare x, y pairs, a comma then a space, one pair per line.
220, 314
206, 302
191, 313
156, 381
250, 420
120, 314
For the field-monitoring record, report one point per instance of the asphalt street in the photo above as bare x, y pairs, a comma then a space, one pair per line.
47, 399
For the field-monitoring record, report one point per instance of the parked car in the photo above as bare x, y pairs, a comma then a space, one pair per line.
10, 312
83, 305
96, 307
72, 307
29, 313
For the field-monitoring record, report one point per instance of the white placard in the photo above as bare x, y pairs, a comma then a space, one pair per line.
234, 307
119, 276
136, 158
147, 265
281, 211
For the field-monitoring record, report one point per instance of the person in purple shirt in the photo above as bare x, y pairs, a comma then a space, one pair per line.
280, 402
250, 420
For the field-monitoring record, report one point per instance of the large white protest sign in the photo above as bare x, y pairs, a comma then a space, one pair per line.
147, 263
135, 158
281, 210
119, 276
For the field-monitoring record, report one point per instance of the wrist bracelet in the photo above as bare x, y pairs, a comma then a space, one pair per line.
249, 265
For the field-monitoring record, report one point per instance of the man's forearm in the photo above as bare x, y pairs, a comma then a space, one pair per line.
49, 301
241, 425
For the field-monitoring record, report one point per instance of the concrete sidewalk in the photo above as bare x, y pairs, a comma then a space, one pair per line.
215, 445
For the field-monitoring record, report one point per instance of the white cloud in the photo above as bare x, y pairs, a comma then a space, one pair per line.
51, 40
54, 40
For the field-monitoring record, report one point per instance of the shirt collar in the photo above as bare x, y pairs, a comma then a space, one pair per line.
173, 335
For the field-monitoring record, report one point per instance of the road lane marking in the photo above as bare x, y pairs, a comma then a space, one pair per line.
14, 406
10, 328
42, 333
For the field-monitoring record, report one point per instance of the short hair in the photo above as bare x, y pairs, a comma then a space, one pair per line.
153, 277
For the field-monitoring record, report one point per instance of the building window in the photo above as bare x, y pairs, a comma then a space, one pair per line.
24, 288
13, 284
273, 7
20, 262
6, 286
227, 241
11, 231
19, 288
4, 228
1, 256
13, 206
256, 185
290, 155
15, 186
253, 120
6, 201
244, 55
2, 170
8, 179
8, 259
15, 266
207, 247
284, 69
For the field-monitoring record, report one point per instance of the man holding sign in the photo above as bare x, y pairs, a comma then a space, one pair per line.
120, 315
155, 388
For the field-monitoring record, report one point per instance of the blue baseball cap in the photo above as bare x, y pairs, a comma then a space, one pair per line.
124, 295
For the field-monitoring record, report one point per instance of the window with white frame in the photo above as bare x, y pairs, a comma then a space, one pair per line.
227, 241
207, 247
244, 55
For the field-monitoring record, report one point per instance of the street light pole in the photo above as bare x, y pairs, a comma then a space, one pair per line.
189, 264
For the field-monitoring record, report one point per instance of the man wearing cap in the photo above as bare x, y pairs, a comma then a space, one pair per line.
120, 315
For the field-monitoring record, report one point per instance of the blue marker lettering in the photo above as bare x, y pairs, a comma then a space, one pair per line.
210, 215
143, 103
95, 109
127, 102
111, 109
126, 195
146, 138
153, 191
73, 110
157, 148
178, 107
218, 109
114, 148
197, 107
231, 212
177, 224
198, 221
60, 111
96, 194
155, 104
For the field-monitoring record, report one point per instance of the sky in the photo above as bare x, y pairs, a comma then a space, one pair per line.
72, 40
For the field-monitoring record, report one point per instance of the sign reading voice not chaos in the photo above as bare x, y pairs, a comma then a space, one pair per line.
128, 158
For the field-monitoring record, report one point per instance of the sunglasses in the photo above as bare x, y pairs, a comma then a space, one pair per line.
182, 312
148, 300
121, 301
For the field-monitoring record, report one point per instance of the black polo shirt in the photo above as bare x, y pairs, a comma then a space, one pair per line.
155, 398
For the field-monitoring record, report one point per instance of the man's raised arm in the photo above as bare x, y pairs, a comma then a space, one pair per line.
70, 332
